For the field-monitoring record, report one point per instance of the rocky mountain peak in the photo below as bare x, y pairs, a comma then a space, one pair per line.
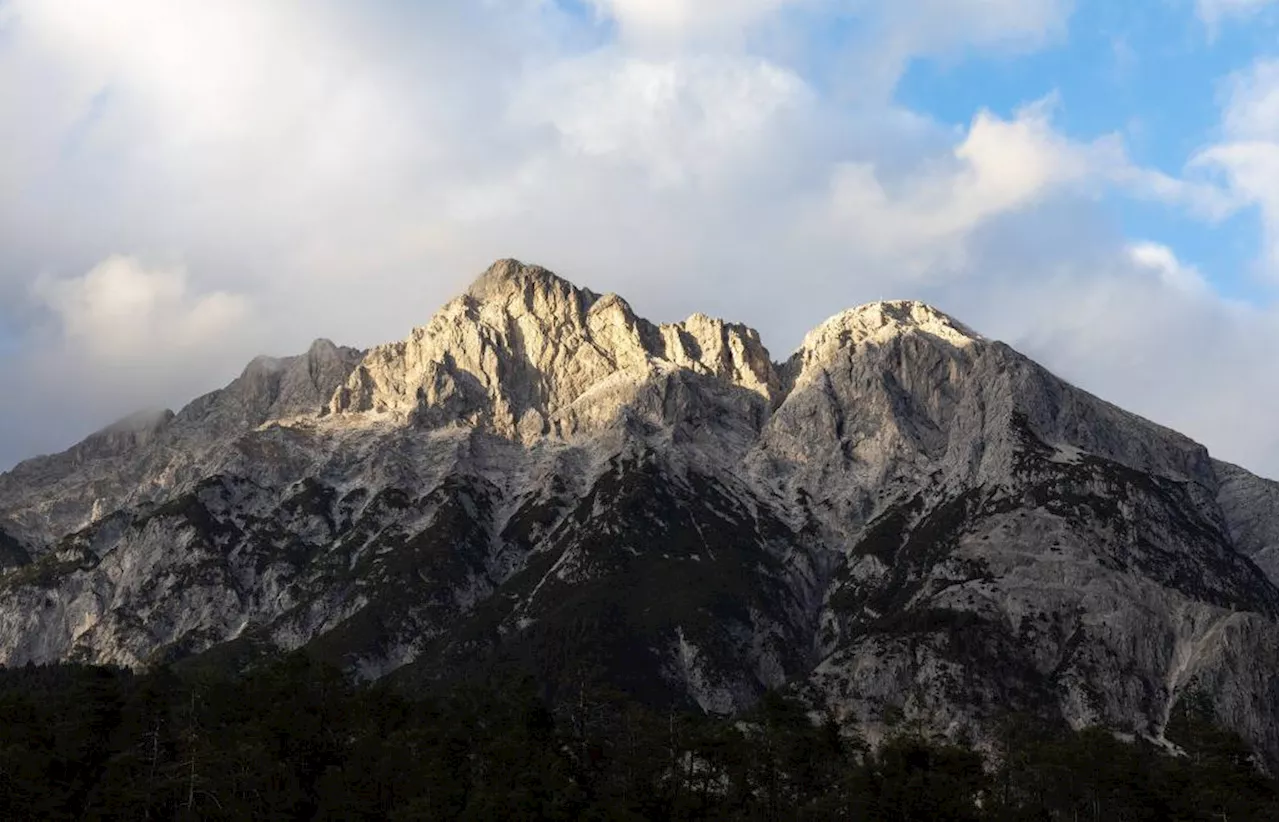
879, 322
323, 348
262, 365
525, 353
140, 422
308, 381
510, 281
279, 387
151, 451
128, 433
906, 358
728, 351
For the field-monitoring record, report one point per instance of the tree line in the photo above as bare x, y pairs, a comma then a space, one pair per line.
294, 739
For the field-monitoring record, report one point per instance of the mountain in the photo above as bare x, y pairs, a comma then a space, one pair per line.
905, 521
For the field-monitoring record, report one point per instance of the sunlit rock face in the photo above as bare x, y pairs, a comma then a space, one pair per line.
903, 518
524, 354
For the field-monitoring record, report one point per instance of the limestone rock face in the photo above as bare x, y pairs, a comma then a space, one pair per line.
144, 456
890, 398
524, 354
1249, 506
903, 515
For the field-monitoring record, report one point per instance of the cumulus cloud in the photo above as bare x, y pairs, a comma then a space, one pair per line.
1248, 155
121, 337
341, 170
1173, 272
1000, 166
1250, 111
923, 219
273, 135
880, 38
122, 312
889, 35
678, 120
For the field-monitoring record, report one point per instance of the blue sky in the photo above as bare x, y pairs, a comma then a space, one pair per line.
1150, 71
186, 185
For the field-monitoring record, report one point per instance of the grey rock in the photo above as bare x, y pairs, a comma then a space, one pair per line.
904, 518
1249, 505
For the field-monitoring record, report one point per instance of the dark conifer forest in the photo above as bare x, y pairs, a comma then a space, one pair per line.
294, 739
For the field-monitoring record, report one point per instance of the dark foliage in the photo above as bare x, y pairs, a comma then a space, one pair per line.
293, 739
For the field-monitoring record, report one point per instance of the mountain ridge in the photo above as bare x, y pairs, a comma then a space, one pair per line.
888, 318
902, 514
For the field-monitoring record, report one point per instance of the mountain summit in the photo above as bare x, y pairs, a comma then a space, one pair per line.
525, 354
904, 518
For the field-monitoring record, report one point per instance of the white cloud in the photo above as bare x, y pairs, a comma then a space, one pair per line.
1000, 167
1172, 272
679, 120
342, 170
926, 217
1251, 106
1214, 12
1248, 155
1250, 170
667, 19
121, 337
122, 312
892, 33
1132, 325
882, 36
917, 26
942, 25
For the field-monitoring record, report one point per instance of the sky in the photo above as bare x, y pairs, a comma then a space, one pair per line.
184, 185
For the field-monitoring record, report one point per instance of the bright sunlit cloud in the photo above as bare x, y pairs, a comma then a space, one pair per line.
339, 170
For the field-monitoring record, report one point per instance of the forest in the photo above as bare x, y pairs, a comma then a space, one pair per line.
294, 739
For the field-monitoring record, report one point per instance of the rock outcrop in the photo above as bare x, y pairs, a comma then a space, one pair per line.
146, 455
1249, 506
524, 354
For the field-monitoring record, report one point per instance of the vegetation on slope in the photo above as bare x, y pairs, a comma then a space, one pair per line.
295, 740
